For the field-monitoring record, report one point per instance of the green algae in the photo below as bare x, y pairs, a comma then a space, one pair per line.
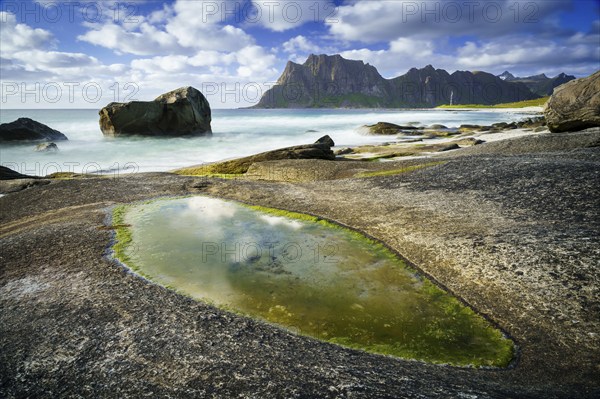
346, 288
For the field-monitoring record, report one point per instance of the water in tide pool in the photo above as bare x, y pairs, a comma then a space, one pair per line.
236, 133
305, 274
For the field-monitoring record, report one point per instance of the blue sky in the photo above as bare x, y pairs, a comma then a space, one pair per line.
85, 54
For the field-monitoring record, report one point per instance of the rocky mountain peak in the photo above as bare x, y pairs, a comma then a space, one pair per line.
507, 76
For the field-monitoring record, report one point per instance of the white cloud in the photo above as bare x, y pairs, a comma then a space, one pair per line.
20, 37
147, 41
300, 44
282, 15
386, 20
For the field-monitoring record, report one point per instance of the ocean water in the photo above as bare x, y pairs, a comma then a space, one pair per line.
236, 132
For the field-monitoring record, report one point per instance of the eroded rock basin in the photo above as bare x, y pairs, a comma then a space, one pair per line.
305, 274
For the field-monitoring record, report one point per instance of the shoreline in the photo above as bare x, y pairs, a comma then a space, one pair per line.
503, 247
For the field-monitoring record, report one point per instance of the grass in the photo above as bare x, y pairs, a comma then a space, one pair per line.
393, 172
521, 104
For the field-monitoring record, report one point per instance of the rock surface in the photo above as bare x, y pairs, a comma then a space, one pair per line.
26, 129
386, 128
75, 324
321, 149
575, 105
9, 174
46, 147
181, 112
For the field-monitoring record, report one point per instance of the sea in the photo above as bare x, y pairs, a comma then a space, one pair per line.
236, 133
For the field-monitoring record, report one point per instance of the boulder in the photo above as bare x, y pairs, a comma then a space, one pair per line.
25, 129
46, 147
575, 105
468, 142
9, 174
344, 151
181, 112
321, 149
386, 128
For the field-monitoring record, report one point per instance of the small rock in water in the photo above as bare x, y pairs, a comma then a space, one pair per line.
344, 151
46, 147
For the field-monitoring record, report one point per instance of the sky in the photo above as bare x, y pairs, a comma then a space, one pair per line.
80, 54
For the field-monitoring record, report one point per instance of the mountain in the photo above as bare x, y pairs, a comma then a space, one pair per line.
332, 82
541, 84
507, 76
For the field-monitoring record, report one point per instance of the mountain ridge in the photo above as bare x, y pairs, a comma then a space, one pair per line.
331, 81
539, 84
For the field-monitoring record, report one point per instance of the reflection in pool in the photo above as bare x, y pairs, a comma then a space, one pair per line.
306, 274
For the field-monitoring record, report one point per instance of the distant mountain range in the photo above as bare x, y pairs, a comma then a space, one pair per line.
541, 85
325, 81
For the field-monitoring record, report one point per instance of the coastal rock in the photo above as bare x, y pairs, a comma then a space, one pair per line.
9, 174
344, 151
468, 142
321, 149
532, 123
326, 140
387, 129
575, 105
46, 147
181, 112
25, 129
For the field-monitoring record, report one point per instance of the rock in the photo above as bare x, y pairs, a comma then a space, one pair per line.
468, 142
312, 131
46, 147
181, 112
469, 128
532, 123
321, 149
449, 147
344, 151
437, 127
575, 105
328, 141
386, 128
9, 174
25, 129
500, 125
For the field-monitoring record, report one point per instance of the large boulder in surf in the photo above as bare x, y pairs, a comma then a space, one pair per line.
181, 112
575, 105
25, 129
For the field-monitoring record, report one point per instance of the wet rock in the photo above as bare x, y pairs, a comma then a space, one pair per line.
386, 128
46, 147
344, 151
26, 129
181, 112
321, 149
9, 174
